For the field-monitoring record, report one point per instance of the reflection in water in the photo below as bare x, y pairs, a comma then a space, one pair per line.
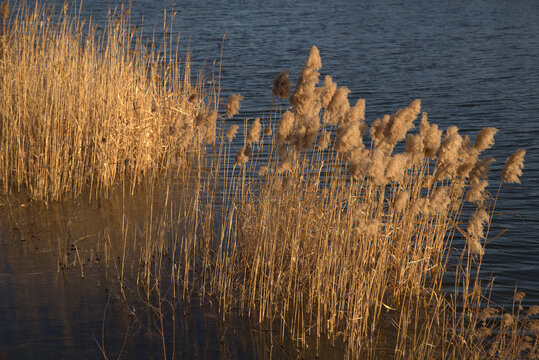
61, 298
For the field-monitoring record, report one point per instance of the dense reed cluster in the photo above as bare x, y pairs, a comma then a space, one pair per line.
80, 108
336, 231
339, 239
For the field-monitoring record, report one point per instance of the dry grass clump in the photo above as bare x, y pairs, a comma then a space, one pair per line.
80, 108
351, 243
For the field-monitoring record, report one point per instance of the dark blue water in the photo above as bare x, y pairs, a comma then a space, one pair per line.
473, 64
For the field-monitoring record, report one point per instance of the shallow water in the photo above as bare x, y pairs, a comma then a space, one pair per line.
472, 63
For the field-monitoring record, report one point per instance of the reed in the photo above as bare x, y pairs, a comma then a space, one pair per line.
351, 242
81, 109
330, 230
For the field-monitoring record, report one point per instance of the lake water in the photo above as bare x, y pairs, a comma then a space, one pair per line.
473, 64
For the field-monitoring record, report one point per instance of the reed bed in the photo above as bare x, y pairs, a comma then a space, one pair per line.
322, 228
339, 236
81, 108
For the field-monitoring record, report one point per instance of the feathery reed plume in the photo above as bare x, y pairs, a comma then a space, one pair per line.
396, 166
233, 104
325, 139
268, 131
533, 310
325, 93
207, 123
283, 151
431, 140
285, 126
480, 169
285, 165
263, 170
476, 192
357, 113
401, 200
377, 166
440, 200
304, 99
348, 137
513, 167
243, 155
378, 128
4, 10
401, 122
448, 152
254, 132
231, 132
414, 147
359, 163
281, 85
424, 125
508, 320
308, 133
338, 106
485, 139
469, 160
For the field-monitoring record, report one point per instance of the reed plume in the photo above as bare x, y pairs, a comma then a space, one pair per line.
281, 85
325, 140
4, 10
285, 127
325, 93
254, 132
243, 155
485, 139
303, 99
448, 152
338, 106
231, 132
348, 137
233, 104
513, 167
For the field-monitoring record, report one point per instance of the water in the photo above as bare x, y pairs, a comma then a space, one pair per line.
472, 63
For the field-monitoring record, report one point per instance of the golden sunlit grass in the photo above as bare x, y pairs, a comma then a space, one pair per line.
352, 241
334, 231
80, 108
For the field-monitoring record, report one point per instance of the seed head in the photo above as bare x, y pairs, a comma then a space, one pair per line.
231, 132
325, 93
281, 85
4, 10
325, 139
338, 106
233, 104
254, 132
513, 167
485, 139
285, 126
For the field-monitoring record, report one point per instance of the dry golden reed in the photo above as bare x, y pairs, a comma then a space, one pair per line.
254, 132
231, 132
4, 10
85, 109
281, 85
233, 104
333, 256
513, 167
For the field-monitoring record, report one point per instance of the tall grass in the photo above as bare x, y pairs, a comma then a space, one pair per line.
83, 108
321, 227
338, 239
